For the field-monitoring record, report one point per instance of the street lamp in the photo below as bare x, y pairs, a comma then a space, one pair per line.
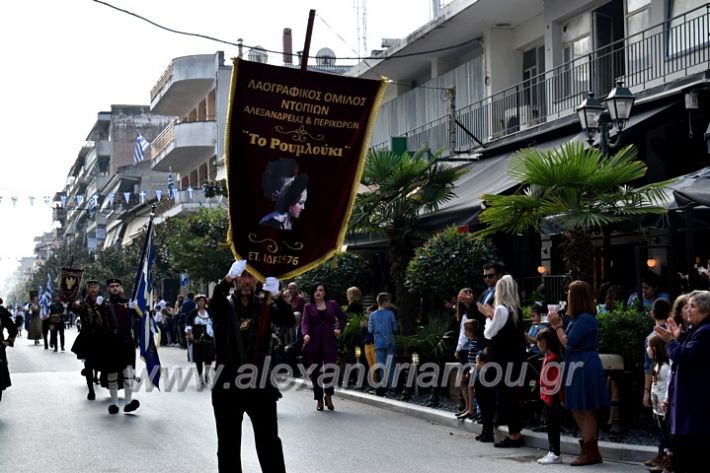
595, 117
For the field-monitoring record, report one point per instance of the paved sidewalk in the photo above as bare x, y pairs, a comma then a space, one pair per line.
569, 445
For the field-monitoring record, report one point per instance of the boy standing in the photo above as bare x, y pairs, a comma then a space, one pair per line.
382, 326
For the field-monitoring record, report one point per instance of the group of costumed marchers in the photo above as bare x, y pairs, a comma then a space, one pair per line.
106, 342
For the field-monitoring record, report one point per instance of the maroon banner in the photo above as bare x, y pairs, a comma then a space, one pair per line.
295, 149
69, 283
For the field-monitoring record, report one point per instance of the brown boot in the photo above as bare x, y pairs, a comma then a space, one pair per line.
589, 454
655, 461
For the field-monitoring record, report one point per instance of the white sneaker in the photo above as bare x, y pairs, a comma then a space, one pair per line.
550, 459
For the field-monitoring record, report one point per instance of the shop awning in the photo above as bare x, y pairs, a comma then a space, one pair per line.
133, 228
691, 190
487, 176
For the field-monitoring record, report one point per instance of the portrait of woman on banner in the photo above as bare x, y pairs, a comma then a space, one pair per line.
283, 185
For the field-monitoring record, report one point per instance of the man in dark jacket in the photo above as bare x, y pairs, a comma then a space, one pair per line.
242, 333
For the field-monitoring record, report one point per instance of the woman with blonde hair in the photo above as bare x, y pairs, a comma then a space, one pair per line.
504, 329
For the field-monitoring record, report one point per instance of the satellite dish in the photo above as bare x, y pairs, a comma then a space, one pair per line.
258, 54
325, 57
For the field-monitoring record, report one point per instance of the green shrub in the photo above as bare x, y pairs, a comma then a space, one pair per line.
447, 262
622, 331
338, 274
434, 341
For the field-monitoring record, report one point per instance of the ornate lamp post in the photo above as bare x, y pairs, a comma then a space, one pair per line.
595, 118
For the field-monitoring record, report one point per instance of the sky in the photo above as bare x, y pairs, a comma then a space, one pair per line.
65, 61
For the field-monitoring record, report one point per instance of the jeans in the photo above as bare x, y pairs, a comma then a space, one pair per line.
383, 357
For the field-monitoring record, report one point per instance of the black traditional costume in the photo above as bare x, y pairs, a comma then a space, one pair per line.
117, 356
6, 323
87, 344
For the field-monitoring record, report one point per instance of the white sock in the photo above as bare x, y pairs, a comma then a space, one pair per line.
128, 383
113, 387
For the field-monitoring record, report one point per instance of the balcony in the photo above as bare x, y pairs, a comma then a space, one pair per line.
647, 62
185, 203
182, 144
185, 82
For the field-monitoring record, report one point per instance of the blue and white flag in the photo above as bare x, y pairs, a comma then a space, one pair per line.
142, 299
142, 146
45, 298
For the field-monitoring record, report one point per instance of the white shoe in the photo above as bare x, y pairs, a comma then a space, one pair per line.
550, 459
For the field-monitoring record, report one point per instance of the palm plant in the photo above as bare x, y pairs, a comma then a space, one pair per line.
400, 187
581, 190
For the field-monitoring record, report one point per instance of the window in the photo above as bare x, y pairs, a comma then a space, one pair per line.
576, 48
688, 28
638, 19
534, 86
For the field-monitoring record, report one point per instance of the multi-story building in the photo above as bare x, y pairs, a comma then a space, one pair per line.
486, 78
109, 146
194, 90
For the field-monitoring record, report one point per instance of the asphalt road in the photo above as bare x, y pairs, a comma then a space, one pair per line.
47, 425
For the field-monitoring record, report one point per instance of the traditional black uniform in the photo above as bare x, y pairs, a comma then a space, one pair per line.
56, 324
117, 356
119, 348
88, 343
243, 336
6, 323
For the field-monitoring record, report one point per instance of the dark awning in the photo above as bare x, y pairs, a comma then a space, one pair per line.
487, 176
692, 189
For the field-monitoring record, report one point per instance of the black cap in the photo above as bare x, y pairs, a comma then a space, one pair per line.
113, 281
92, 281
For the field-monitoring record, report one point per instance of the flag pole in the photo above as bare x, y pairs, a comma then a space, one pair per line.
137, 281
307, 45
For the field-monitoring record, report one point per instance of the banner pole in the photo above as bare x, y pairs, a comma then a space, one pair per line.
307, 44
134, 291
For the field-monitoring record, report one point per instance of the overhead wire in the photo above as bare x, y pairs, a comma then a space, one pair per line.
212, 38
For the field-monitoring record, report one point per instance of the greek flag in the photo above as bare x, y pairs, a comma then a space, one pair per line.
46, 297
142, 299
142, 146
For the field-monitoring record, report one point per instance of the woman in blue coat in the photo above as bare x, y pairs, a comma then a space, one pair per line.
690, 385
322, 322
585, 388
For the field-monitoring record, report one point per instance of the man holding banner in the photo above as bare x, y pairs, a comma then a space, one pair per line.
292, 136
242, 335
88, 342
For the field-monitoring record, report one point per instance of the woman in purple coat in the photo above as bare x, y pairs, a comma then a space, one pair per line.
322, 321
690, 385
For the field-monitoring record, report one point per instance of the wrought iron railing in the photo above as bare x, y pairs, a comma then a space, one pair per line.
676, 48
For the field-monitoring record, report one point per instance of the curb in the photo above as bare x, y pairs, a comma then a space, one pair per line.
568, 445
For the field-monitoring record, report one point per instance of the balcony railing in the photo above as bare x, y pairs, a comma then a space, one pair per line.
167, 136
664, 53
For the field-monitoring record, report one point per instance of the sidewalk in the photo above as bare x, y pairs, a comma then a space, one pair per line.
568, 445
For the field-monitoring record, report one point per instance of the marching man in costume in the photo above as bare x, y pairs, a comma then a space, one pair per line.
242, 333
118, 352
88, 342
6, 323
